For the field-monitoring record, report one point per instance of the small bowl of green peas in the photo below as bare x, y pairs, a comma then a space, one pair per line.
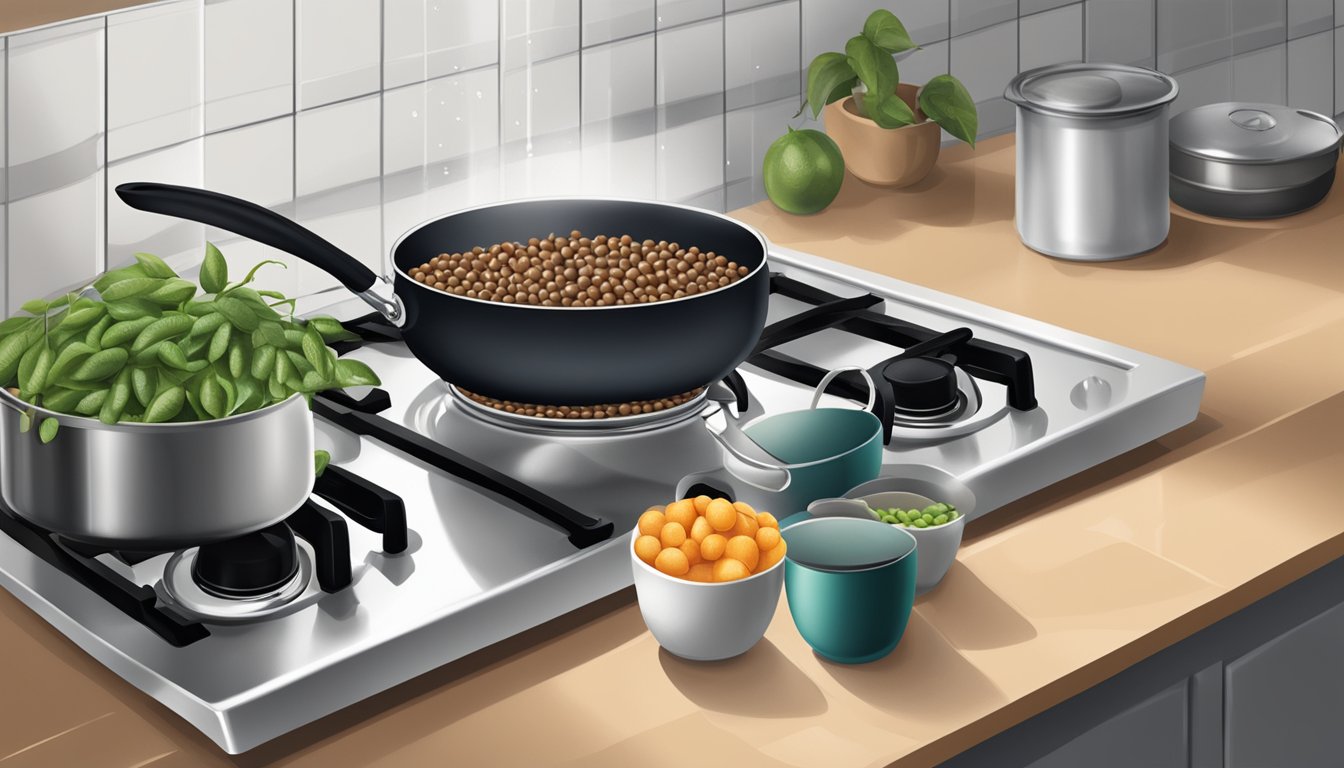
929, 503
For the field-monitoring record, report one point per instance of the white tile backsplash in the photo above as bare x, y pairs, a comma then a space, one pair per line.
51, 249
130, 231
608, 20
762, 62
337, 50
154, 60
1311, 72
256, 163
56, 108
361, 118
1051, 37
425, 39
249, 61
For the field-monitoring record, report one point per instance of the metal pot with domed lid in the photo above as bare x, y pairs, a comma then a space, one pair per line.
1092, 159
1252, 161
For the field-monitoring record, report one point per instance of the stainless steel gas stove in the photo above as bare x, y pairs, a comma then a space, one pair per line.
446, 525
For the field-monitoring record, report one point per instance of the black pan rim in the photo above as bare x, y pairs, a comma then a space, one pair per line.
401, 277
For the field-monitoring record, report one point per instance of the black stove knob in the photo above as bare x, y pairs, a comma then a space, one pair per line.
922, 384
247, 566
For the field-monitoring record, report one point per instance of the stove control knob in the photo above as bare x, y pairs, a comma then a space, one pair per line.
922, 385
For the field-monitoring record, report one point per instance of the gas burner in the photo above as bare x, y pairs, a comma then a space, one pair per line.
972, 410
248, 566
924, 388
187, 570
478, 406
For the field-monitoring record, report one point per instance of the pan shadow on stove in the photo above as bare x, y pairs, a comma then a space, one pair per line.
760, 683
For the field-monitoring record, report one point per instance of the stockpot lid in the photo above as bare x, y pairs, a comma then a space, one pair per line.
1091, 90
1239, 132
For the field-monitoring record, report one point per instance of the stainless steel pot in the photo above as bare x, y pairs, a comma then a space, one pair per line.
1252, 161
155, 487
1092, 159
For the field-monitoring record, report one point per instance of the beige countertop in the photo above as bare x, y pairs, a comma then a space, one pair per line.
1048, 597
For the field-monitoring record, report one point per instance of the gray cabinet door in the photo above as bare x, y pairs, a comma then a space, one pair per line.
1284, 702
1152, 734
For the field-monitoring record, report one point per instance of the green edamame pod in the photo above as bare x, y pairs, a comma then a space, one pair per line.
173, 291
238, 313
46, 431
62, 399
131, 288
219, 342
91, 403
298, 362
94, 338
270, 334
79, 318
117, 398
27, 363
206, 324
101, 365
314, 351
117, 275
165, 327
172, 356
263, 362
120, 333
199, 308
132, 309
72, 354
237, 360
144, 383
213, 400
214, 270
165, 406
283, 367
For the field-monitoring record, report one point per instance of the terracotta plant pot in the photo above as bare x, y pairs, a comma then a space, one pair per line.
889, 157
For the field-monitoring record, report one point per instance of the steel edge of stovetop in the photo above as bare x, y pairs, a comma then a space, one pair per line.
248, 719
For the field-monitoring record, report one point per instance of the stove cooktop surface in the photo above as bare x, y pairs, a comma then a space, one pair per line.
478, 566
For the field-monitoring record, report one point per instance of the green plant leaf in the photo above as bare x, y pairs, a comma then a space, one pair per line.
887, 32
888, 111
214, 270
46, 431
947, 102
825, 75
874, 66
36, 307
117, 275
353, 373
165, 405
238, 312
135, 286
320, 461
153, 266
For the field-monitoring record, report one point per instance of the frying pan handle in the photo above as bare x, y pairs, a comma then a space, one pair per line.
265, 226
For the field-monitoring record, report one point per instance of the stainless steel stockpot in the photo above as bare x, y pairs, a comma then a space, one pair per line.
1092, 167
155, 487
1252, 161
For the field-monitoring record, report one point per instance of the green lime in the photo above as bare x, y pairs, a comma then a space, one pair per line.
803, 171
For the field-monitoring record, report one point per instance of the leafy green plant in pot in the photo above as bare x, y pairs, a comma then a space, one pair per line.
884, 131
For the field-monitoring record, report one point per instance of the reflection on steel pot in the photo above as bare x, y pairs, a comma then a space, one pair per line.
1251, 161
1092, 159
155, 487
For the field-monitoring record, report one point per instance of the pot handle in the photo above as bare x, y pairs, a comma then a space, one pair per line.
830, 376
266, 226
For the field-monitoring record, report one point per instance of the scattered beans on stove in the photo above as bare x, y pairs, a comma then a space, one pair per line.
579, 271
604, 411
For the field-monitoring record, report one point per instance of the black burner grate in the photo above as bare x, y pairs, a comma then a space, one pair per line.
370, 505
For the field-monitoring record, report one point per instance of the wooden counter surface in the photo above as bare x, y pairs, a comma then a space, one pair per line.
1049, 596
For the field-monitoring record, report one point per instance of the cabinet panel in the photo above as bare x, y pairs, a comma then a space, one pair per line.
1153, 733
1285, 698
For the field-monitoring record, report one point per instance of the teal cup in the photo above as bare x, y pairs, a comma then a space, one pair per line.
850, 585
827, 451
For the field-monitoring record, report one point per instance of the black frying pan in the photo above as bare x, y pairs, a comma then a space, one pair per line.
527, 353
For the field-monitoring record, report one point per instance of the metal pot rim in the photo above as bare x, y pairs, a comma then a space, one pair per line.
84, 422
1013, 93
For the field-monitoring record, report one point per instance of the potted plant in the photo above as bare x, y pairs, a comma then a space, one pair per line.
887, 131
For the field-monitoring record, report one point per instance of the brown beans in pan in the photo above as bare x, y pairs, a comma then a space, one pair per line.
578, 271
605, 411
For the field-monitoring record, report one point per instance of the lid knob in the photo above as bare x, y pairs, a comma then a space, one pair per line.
1252, 119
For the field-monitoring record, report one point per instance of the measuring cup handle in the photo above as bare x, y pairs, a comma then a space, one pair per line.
830, 376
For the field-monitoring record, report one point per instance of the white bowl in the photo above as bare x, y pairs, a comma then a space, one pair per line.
919, 486
706, 622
